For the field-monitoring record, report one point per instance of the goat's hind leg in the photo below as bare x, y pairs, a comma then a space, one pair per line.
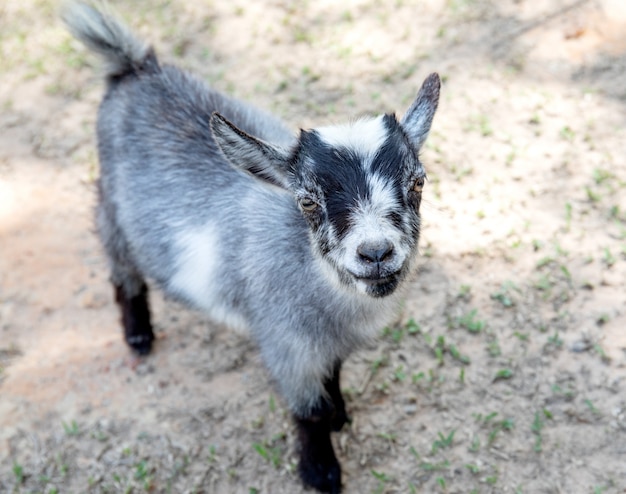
131, 292
135, 315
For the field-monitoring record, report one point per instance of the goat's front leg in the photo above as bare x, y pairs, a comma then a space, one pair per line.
332, 387
318, 465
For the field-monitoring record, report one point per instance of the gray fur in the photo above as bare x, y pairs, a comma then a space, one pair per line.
419, 116
223, 226
102, 33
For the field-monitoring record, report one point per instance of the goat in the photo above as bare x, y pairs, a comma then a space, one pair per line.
307, 241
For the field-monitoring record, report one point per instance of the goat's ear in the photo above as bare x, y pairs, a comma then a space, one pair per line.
419, 117
248, 153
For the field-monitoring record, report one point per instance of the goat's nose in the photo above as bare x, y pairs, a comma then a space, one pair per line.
375, 251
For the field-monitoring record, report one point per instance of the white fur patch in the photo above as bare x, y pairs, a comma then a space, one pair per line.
365, 136
370, 224
196, 275
382, 195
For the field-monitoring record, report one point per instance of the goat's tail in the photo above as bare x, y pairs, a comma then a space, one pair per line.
104, 34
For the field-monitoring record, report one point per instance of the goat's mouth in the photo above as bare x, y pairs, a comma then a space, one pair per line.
380, 286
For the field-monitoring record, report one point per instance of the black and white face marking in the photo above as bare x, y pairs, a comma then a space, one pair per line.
356, 186
359, 186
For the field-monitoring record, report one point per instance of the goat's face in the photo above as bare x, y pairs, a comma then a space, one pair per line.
359, 187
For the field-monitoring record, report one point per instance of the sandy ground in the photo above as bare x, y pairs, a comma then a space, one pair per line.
504, 372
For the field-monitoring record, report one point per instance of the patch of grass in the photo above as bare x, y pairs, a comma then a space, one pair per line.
442, 482
71, 429
417, 377
598, 350
142, 471
212, 458
61, 465
435, 467
504, 295
474, 445
18, 472
272, 450
592, 408
397, 333
493, 348
499, 426
465, 291
492, 479
555, 340
440, 348
544, 284
592, 195
388, 436
412, 327
456, 354
99, 436
503, 374
399, 374
493, 426
536, 428
567, 133
382, 478
471, 322
568, 394
544, 261
443, 441
600, 176
608, 258
568, 216
377, 364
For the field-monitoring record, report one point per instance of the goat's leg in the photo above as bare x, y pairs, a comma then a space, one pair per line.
318, 465
131, 293
135, 315
332, 387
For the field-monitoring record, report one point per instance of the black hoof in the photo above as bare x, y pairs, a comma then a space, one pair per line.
323, 475
140, 344
136, 319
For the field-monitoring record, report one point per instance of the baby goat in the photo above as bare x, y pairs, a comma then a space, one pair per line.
306, 241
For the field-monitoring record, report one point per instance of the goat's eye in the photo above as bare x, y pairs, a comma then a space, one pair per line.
308, 205
415, 194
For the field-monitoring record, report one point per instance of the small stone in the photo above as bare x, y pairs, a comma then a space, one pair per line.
580, 346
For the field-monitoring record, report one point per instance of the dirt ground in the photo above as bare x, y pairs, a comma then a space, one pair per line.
505, 372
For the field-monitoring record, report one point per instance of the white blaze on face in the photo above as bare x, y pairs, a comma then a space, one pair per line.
371, 224
364, 136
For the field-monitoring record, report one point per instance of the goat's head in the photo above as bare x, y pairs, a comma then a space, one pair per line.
359, 187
